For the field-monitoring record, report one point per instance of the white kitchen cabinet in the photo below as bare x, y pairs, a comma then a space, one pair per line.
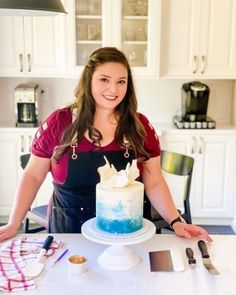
198, 39
46, 188
32, 46
132, 26
10, 146
13, 143
213, 174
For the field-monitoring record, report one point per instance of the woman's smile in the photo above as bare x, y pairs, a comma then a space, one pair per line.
110, 97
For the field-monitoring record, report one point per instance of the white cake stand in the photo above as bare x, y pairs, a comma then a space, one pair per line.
118, 256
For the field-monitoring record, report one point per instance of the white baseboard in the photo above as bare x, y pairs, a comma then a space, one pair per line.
213, 221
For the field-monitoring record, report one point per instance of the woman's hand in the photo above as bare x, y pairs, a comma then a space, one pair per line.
8, 231
190, 230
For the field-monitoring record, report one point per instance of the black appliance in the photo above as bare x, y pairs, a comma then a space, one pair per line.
26, 105
195, 96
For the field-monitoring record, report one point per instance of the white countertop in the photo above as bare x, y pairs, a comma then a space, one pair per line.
140, 280
164, 128
18, 130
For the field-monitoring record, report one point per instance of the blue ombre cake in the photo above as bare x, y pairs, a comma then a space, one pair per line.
119, 210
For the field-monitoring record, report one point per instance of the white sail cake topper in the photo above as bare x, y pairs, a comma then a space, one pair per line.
110, 177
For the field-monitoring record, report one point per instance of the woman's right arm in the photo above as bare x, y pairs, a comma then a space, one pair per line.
27, 188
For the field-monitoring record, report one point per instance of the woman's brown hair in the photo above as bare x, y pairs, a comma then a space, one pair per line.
129, 127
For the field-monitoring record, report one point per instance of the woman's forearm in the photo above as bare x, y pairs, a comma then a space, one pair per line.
157, 190
162, 202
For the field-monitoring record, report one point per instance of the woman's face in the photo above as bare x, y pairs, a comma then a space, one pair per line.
109, 85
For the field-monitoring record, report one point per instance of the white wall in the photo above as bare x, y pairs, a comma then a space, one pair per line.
158, 99
161, 99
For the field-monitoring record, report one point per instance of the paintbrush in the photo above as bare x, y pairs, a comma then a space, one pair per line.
60, 257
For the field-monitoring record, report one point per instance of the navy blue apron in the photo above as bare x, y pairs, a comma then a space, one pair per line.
74, 202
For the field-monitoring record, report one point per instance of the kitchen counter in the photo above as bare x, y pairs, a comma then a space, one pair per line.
18, 130
170, 128
160, 128
139, 280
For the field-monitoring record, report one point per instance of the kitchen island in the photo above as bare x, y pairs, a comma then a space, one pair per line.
140, 280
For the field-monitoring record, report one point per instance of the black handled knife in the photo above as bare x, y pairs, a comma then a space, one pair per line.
206, 258
191, 259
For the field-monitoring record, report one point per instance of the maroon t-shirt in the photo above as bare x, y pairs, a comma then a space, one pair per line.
50, 131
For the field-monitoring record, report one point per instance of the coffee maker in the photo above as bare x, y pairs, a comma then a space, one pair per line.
195, 96
26, 105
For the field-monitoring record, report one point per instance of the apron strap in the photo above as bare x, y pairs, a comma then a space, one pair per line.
74, 116
74, 145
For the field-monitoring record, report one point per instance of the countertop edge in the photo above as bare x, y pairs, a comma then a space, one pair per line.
160, 128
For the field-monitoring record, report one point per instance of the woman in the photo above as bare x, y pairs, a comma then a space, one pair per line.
72, 144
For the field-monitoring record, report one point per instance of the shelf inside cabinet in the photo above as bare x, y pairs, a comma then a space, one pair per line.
80, 16
88, 42
134, 17
135, 42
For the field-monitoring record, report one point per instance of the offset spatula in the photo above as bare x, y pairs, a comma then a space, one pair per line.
206, 258
34, 268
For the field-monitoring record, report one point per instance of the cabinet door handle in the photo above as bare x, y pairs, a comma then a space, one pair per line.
30, 142
194, 64
202, 146
194, 145
203, 64
21, 62
29, 62
22, 143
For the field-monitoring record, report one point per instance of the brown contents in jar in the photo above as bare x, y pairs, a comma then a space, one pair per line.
77, 259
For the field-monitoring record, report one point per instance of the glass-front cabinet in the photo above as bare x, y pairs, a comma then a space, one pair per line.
134, 36
130, 25
88, 28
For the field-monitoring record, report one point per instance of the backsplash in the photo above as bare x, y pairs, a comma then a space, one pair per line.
159, 99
